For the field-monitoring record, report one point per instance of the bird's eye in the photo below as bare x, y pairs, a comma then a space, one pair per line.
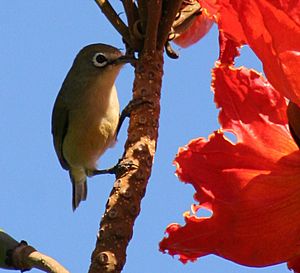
100, 60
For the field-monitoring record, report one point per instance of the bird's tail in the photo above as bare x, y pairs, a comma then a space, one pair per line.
79, 185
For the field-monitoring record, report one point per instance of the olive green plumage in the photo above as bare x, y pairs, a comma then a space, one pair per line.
86, 113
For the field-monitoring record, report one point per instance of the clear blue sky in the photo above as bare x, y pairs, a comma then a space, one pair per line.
39, 40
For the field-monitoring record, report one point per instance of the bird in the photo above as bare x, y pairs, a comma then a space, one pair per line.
86, 113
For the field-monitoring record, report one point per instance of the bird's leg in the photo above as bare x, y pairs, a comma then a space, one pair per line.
127, 111
119, 169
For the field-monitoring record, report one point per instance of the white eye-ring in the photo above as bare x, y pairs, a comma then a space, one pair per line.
100, 60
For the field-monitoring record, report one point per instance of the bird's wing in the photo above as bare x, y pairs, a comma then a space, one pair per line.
59, 129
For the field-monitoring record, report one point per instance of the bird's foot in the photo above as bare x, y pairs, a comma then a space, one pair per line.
133, 104
119, 169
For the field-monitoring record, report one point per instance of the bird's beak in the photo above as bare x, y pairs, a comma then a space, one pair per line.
125, 59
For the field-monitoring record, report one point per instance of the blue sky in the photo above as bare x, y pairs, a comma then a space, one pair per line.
39, 40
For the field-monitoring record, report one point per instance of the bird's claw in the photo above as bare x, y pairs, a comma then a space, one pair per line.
128, 109
119, 169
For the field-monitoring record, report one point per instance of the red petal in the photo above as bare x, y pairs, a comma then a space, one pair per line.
260, 104
272, 30
229, 50
252, 186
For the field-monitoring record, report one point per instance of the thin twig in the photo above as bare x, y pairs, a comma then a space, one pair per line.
143, 12
114, 19
154, 15
7, 245
131, 11
133, 19
45, 263
24, 257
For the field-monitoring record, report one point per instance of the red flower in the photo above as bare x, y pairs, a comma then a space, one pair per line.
252, 187
272, 29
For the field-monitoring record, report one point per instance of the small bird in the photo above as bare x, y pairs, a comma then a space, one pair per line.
86, 113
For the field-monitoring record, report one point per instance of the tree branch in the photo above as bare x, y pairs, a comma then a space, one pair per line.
170, 9
143, 12
20, 256
114, 19
45, 263
154, 15
133, 20
7, 243
123, 206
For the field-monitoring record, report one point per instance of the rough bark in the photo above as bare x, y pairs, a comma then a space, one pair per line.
124, 202
123, 206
